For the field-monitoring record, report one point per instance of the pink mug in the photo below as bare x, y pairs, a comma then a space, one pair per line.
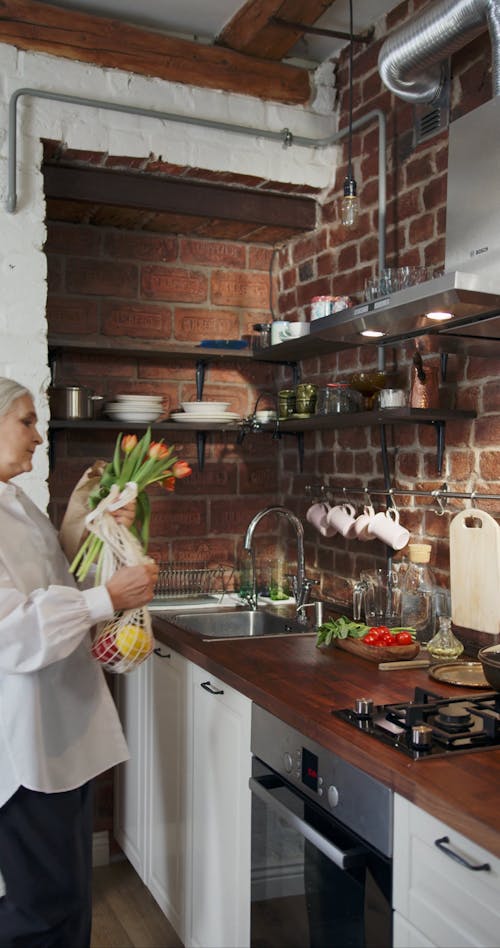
385, 526
342, 518
360, 529
317, 517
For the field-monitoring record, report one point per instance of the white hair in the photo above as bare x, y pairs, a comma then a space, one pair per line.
9, 392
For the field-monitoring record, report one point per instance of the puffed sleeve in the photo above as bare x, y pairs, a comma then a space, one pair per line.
47, 625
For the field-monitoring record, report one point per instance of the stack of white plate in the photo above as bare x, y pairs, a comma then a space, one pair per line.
208, 412
135, 408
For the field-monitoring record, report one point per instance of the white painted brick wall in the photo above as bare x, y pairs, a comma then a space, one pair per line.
23, 349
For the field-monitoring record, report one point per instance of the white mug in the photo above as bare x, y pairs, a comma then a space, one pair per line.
279, 331
391, 398
342, 518
317, 517
361, 524
297, 329
385, 526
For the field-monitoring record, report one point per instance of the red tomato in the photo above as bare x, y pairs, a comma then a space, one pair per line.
403, 638
387, 639
370, 638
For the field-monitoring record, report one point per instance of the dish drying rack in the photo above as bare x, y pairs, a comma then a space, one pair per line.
193, 582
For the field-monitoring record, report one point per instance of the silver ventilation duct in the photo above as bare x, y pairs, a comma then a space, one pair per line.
410, 59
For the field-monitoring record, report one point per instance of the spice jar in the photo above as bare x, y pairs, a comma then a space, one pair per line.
286, 403
305, 398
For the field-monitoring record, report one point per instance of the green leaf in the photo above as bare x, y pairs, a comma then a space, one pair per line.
117, 455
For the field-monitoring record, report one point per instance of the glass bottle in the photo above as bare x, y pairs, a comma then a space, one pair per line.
444, 644
417, 592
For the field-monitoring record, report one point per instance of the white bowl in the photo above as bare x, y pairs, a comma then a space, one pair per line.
204, 408
265, 415
126, 414
133, 399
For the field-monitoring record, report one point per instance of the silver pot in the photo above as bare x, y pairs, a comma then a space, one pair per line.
73, 402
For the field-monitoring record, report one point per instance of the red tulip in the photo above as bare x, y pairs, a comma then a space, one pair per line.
157, 450
181, 469
128, 443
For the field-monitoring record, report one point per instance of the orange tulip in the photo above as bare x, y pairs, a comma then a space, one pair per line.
128, 443
157, 450
168, 483
181, 469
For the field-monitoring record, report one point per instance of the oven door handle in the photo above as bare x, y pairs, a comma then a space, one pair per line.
349, 859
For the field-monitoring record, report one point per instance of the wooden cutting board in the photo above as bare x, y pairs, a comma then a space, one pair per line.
379, 653
475, 571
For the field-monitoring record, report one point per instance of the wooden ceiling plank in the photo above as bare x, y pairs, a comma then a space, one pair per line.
113, 44
252, 31
97, 186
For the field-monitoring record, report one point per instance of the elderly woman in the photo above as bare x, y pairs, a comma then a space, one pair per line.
58, 724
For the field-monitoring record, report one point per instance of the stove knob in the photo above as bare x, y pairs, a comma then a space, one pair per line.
363, 707
421, 736
332, 795
288, 762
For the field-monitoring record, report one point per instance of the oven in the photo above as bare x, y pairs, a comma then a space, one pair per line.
321, 845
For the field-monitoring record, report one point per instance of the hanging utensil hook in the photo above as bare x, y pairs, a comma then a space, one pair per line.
441, 504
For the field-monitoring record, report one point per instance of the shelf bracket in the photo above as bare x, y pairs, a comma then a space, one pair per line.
385, 464
300, 448
201, 439
440, 437
200, 379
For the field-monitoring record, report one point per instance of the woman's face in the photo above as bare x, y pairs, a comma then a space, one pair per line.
18, 438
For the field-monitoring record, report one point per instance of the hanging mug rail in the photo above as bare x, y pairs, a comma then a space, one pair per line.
441, 494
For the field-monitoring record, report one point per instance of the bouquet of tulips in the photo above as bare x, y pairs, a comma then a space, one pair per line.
135, 462
126, 640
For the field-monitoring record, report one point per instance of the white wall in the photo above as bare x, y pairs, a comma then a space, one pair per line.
23, 349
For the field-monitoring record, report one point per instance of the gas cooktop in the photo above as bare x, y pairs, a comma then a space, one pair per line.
430, 726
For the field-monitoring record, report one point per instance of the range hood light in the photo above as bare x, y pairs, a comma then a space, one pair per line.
439, 317
372, 333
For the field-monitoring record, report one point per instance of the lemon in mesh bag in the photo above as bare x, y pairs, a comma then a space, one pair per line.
125, 641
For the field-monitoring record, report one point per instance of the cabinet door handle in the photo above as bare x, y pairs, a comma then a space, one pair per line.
443, 845
161, 654
213, 691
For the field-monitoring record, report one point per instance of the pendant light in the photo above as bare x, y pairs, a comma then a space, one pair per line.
350, 202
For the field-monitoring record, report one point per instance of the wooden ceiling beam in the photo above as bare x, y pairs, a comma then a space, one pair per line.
252, 31
112, 44
97, 186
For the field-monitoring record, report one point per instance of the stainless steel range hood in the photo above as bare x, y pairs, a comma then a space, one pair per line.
470, 286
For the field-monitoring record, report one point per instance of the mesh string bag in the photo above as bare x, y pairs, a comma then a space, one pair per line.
126, 640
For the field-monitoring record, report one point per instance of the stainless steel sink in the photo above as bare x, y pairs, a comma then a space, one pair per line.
240, 624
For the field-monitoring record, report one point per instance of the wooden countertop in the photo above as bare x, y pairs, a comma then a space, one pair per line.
302, 684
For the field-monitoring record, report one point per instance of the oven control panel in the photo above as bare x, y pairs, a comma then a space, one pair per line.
321, 775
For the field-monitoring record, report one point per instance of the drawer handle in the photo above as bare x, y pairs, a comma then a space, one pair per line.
161, 654
213, 691
443, 843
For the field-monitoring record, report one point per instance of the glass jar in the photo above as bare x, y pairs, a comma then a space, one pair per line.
337, 397
444, 645
305, 398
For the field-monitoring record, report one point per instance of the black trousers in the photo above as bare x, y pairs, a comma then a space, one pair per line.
46, 863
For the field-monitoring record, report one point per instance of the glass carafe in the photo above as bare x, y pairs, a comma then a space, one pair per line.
444, 645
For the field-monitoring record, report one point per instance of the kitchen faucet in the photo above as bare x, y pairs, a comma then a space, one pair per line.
300, 584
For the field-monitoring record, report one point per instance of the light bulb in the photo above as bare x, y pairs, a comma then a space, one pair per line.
350, 203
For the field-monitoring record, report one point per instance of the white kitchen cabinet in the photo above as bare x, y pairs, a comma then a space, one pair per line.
182, 802
439, 900
166, 805
219, 837
131, 696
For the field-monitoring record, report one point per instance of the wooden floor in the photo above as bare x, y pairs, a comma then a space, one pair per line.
125, 913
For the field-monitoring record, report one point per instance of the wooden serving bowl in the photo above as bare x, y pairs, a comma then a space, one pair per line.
379, 653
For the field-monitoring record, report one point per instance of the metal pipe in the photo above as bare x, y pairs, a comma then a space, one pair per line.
410, 58
285, 136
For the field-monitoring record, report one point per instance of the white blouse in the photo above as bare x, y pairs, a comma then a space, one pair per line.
58, 723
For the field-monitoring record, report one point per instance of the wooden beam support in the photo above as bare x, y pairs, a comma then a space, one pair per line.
97, 186
252, 30
113, 44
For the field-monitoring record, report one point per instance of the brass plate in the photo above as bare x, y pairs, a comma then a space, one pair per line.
466, 674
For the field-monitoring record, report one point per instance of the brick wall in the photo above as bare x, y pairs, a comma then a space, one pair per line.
148, 287
335, 260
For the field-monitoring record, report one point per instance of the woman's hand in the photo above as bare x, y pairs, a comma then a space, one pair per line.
125, 514
132, 586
